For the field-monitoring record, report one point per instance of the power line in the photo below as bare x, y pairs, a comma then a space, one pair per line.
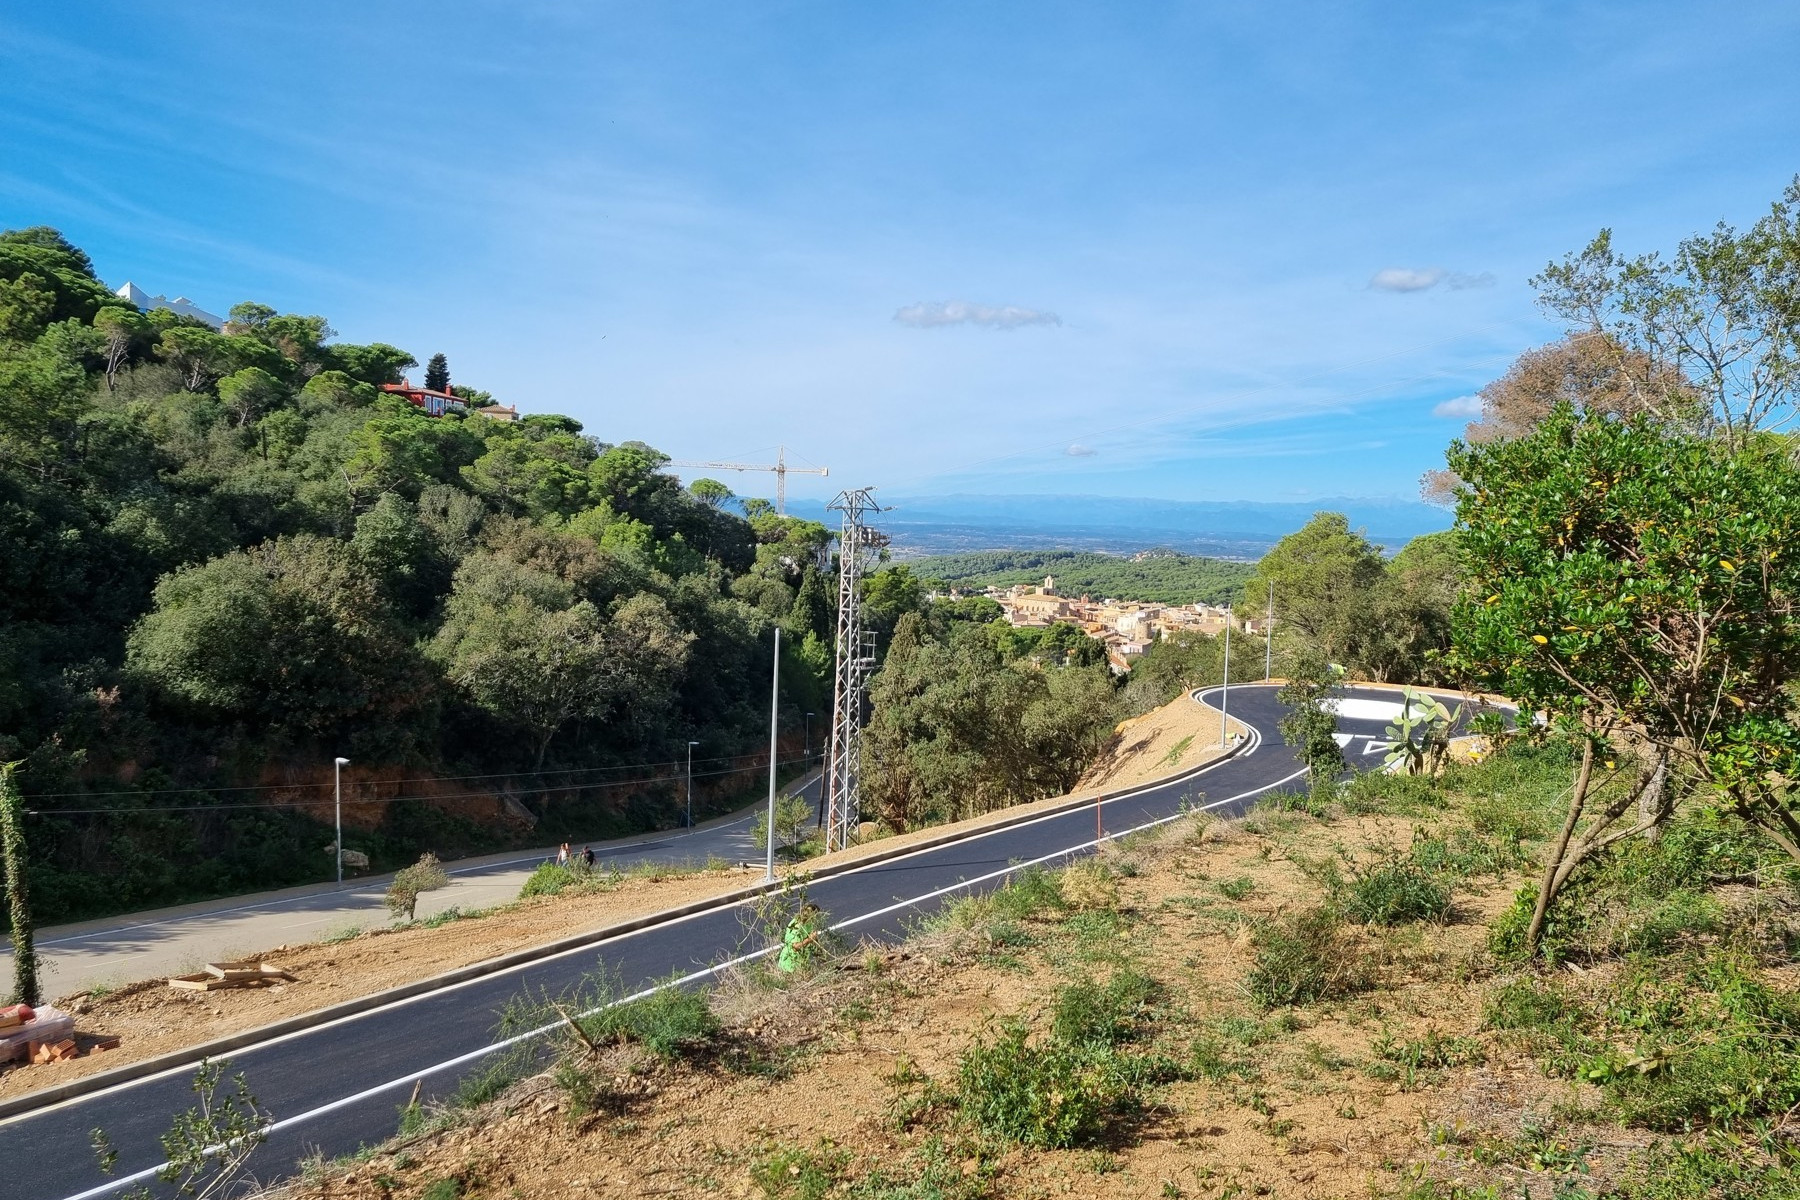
294, 787
273, 805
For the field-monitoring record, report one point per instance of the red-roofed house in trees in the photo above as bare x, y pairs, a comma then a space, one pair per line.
435, 403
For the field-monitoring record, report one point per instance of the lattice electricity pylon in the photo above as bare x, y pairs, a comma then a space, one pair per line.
855, 660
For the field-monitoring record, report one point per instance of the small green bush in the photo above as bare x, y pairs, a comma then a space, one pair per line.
1236, 889
1051, 1095
1303, 958
548, 880
1393, 892
669, 1022
442, 1189
1087, 1013
788, 1172
1030, 893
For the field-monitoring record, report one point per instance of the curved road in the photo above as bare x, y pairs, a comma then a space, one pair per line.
336, 1086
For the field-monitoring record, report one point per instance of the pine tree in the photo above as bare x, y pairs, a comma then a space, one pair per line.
437, 374
12, 851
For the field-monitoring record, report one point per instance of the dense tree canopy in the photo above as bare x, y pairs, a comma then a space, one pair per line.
958, 728
228, 557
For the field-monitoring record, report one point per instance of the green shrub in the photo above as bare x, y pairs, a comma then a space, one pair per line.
1236, 889
1029, 893
1394, 891
1089, 1013
548, 880
785, 1171
442, 1189
1673, 1045
1715, 1047
1213, 1058
1302, 958
669, 1022
1051, 1095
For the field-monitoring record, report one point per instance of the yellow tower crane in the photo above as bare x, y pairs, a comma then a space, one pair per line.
780, 468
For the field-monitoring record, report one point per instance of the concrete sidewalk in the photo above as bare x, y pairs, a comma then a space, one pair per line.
170, 941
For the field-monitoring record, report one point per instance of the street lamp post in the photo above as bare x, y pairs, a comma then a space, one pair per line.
337, 790
1225, 691
690, 785
806, 753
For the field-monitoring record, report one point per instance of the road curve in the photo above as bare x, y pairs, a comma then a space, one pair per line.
336, 1086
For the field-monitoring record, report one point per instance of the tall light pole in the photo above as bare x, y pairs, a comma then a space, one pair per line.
690, 785
337, 789
807, 752
774, 710
1225, 692
1269, 637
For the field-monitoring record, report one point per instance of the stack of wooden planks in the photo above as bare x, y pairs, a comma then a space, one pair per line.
232, 975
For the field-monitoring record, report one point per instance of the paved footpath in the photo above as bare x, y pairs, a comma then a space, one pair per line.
171, 941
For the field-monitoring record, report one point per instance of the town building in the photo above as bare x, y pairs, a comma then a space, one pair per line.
180, 304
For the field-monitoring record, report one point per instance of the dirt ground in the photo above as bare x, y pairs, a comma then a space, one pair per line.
1313, 1106
1179, 736
151, 1018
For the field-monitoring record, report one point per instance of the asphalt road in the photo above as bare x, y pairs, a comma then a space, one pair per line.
173, 941
337, 1086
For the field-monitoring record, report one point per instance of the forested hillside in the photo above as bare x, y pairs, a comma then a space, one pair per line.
1161, 577
229, 557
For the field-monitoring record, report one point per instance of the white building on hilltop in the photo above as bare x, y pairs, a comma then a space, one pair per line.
180, 304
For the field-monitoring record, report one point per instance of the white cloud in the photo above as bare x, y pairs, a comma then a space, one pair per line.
1077, 450
1406, 279
961, 312
1420, 279
1461, 408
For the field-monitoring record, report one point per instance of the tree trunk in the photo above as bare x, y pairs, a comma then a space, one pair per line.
1650, 802
26, 989
1550, 885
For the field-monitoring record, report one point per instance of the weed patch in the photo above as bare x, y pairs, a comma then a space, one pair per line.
1088, 1014
1051, 1095
1303, 958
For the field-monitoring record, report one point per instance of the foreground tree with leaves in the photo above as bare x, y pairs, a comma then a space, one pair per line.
209, 1146
1637, 583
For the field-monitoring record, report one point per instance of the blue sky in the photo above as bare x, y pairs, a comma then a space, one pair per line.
1197, 251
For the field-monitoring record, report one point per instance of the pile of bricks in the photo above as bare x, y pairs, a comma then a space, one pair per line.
49, 1052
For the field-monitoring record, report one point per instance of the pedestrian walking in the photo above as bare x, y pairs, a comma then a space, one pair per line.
587, 857
562, 855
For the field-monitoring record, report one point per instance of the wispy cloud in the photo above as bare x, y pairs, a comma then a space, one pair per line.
1420, 279
961, 312
1077, 450
1407, 279
1461, 408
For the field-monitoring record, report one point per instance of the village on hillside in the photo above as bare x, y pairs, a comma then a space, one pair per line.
1124, 627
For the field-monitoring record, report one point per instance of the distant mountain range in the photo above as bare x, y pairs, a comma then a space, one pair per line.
921, 525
